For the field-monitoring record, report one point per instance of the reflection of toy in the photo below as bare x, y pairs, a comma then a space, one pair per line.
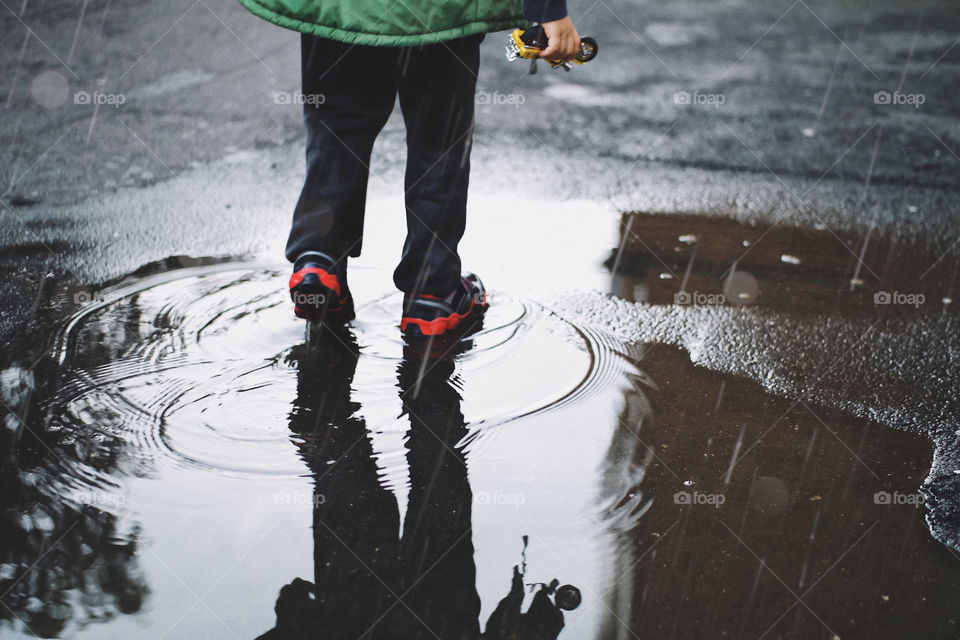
528, 45
542, 621
568, 596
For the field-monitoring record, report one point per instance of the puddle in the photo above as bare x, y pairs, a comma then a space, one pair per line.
187, 461
803, 271
187, 405
771, 518
859, 322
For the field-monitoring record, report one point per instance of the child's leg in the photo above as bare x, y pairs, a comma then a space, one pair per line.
349, 92
436, 85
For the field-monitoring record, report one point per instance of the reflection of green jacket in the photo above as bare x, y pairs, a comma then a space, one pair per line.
392, 23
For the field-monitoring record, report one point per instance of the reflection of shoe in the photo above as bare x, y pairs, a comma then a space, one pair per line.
319, 290
426, 315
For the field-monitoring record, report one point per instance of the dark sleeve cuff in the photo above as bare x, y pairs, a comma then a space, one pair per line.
544, 10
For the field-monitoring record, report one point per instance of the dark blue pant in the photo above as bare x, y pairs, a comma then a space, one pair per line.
349, 93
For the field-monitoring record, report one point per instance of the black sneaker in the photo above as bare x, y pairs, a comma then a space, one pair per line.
319, 289
426, 315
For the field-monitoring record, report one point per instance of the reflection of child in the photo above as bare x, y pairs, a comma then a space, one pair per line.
373, 576
360, 55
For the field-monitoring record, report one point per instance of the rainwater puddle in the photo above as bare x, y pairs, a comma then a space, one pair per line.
191, 461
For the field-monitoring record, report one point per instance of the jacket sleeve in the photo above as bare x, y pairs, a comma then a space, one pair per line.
544, 10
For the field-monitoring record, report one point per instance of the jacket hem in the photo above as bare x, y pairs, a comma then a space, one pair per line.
382, 39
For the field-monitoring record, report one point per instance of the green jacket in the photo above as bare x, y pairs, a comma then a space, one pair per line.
391, 23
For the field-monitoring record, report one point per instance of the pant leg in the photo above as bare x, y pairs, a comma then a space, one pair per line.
436, 85
350, 91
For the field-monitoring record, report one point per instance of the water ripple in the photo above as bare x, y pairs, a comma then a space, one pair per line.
197, 367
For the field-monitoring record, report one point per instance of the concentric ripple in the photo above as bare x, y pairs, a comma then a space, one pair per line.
197, 367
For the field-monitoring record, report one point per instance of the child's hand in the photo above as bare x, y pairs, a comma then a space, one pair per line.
563, 41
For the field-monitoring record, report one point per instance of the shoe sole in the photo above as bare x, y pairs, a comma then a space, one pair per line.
412, 327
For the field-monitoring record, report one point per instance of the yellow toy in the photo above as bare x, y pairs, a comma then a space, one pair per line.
528, 45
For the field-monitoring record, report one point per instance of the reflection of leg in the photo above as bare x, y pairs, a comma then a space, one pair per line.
355, 520
438, 572
349, 93
436, 85
355, 527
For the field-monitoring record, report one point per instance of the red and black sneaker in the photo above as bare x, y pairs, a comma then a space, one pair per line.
318, 288
426, 315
